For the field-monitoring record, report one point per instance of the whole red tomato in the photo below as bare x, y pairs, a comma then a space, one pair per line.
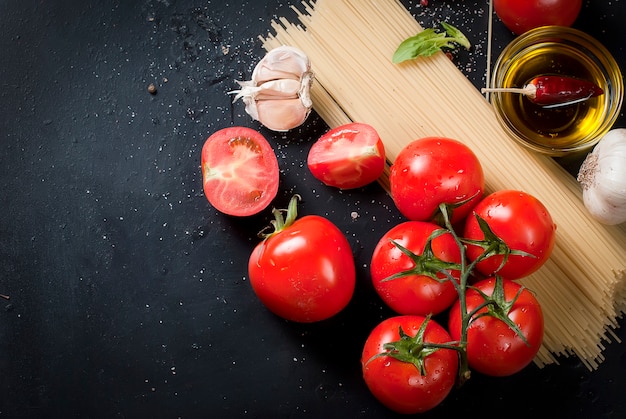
416, 292
347, 157
304, 271
493, 347
239, 171
522, 222
435, 170
522, 15
423, 379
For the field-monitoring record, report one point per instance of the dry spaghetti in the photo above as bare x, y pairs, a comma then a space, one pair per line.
350, 43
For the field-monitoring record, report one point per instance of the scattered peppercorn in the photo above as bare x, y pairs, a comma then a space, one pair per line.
152, 89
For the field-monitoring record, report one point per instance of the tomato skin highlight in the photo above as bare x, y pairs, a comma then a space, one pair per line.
520, 16
493, 348
399, 385
413, 294
347, 157
239, 171
434, 170
306, 272
523, 222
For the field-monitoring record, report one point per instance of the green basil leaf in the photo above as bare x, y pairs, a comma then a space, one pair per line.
429, 42
458, 36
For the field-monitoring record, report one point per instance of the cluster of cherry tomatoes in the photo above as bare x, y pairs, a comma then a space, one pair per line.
422, 269
303, 269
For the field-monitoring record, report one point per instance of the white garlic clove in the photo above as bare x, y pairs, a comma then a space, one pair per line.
281, 115
601, 209
274, 89
603, 179
251, 108
284, 62
278, 89
305, 90
283, 75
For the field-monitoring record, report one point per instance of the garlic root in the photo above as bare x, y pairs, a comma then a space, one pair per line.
603, 179
278, 95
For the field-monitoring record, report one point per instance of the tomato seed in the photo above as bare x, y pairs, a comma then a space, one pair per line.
246, 142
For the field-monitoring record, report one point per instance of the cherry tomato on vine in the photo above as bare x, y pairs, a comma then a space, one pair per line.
522, 15
304, 270
348, 157
522, 222
494, 348
421, 381
415, 290
239, 171
434, 170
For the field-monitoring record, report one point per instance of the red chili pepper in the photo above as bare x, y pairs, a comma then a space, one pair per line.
552, 91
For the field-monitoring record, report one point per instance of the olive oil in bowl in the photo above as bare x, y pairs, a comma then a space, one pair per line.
561, 51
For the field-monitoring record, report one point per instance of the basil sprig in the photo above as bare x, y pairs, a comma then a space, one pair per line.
428, 42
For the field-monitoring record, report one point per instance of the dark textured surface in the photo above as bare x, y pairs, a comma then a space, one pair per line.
128, 292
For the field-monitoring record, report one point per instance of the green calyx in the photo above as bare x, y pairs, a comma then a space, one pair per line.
279, 223
493, 245
498, 307
427, 263
412, 350
445, 210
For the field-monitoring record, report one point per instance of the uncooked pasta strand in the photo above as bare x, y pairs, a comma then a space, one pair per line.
350, 43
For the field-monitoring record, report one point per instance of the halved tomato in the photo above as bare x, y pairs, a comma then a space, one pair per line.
239, 171
347, 157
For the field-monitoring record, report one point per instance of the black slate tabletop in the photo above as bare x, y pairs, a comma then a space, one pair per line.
125, 294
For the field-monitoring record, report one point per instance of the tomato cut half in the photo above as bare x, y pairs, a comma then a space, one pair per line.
347, 157
239, 171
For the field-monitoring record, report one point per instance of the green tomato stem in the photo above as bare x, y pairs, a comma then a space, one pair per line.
279, 223
464, 372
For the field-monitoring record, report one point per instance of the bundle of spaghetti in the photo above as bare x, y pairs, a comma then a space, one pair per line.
582, 286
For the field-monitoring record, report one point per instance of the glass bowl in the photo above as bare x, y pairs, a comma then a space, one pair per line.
556, 50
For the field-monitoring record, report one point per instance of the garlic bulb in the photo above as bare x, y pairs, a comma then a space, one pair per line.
603, 178
278, 94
